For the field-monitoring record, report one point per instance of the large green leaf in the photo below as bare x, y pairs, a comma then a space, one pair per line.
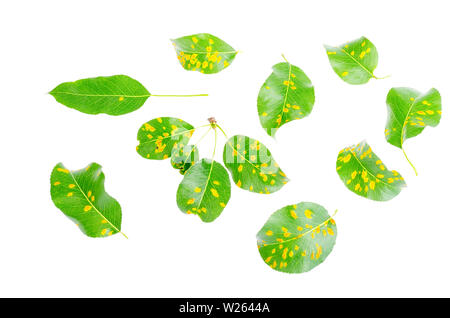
365, 174
81, 196
205, 190
158, 137
204, 53
297, 238
286, 95
409, 112
112, 95
184, 157
252, 166
354, 61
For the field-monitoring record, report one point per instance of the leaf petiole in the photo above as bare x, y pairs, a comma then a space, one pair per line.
410, 162
196, 95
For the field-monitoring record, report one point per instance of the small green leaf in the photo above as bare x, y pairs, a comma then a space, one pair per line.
252, 166
297, 238
286, 95
113, 95
158, 137
203, 53
205, 190
184, 157
81, 196
365, 174
409, 112
354, 61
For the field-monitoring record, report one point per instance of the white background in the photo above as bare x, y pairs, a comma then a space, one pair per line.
396, 248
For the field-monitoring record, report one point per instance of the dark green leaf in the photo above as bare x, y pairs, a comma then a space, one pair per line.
297, 238
286, 95
366, 175
354, 61
184, 157
205, 190
204, 53
252, 166
81, 196
113, 95
158, 137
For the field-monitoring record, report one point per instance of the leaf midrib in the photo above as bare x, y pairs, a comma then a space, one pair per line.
102, 95
286, 95
87, 199
302, 234
360, 163
362, 66
405, 121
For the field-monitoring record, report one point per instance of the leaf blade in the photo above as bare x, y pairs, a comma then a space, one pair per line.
81, 196
205, 190
204, 53
355, 61
113, 95
363, 173
158, 137
286, 95
297, 238
252, 166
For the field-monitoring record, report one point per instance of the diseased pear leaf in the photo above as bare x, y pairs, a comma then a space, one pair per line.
81, 196
409, 112
204, 53
112, 95
297, 238
355, 61
204, 190
365, 174
158, 137
184, 157
286, 95
252, 166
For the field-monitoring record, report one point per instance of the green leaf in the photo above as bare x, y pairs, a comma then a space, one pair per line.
286, 95
365, 174
205, 190
252, 166
184, 157
354, 61
158, 137
81, 196
409, 112
297, 238
203, 53
112, 95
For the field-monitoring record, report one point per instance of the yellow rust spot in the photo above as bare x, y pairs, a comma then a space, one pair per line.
308, 213
239, 184
240, 168
57, 183
269, 233
63, 170
121, 98
216, 182
214, 192
87, 208
70, 194
344, 73
103, 231
222, 204
191, 201
197, 190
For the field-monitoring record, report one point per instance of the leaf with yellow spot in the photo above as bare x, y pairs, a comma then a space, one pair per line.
363, 173
112, 95
81, 196
203, 53
205, 190
286, 95
409, 112
354, 61
297, 244
160, 136
252, 166
184, 157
